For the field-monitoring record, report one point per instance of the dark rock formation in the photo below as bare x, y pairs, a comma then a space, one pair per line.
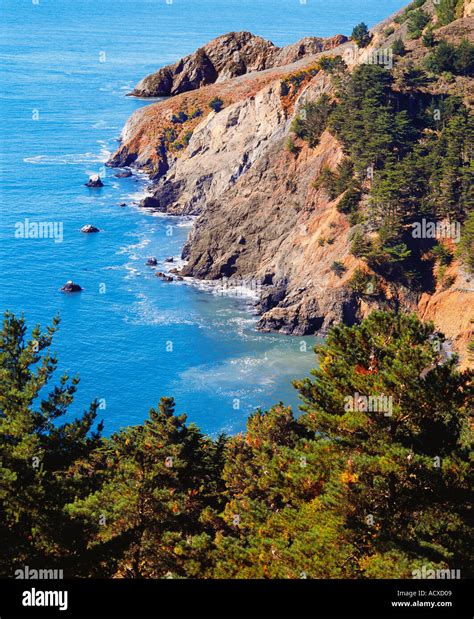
151, 262
124, 174
89, 229
94, 181
70, 286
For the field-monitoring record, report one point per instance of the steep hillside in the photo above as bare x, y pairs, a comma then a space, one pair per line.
240, 153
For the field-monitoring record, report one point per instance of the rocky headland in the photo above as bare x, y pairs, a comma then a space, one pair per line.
262, 216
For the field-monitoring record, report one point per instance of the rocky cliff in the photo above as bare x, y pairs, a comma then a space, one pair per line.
261, 218
228, 56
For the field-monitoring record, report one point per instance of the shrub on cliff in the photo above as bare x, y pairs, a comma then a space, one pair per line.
398, 47
216, 104
417, 21
312, 120
466, 245
456, 59
361, 35
332, 64
448, 10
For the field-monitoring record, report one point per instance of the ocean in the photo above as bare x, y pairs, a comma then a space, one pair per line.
65, 69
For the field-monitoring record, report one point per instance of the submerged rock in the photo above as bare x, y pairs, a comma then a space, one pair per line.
70, 286
164, 277
123, 204
123, 174
151, 262
89, 229
94, 181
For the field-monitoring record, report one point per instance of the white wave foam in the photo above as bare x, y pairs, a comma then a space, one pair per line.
72, 159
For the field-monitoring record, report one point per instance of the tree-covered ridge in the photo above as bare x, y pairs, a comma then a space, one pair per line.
372, 479
409, 155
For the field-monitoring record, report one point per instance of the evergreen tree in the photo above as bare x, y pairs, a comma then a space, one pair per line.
361, 35
158, 497
43, 463
407, 456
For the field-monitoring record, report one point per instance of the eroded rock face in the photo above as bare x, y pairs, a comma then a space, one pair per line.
226, 57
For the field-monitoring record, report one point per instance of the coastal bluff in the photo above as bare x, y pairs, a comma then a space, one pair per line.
261, 215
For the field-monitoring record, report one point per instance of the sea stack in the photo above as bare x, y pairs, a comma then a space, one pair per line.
70, 286
94, 181
89, 229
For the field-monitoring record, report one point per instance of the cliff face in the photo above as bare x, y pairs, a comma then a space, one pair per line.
260, 218
228, 56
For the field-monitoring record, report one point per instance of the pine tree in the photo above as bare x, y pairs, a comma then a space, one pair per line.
40, 459
158, 497
407, 450
361, 35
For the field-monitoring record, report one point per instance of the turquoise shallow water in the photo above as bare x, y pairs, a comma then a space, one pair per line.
65, 68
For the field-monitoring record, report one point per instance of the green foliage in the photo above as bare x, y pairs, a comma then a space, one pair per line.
442, 254
179, 118
363, 283
417, 21
404, 477
448, 10
338, 181
413, 78
291, 147
350, 201
398, 47
361, 247
455, 59
332, 64
366, 119
361, 35
294, 80
216, 104
402, 18
43, 462
312, 120
429, 38
466, 245
158, 490
345, 491
338, 268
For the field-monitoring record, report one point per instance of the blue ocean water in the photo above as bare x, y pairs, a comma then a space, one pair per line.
65, 68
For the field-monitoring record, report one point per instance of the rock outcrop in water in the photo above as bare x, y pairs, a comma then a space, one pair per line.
89, 229
261, 219
94, 181
70, 286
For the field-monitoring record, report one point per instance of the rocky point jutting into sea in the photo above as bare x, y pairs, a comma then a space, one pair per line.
260, 215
